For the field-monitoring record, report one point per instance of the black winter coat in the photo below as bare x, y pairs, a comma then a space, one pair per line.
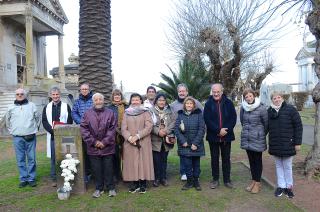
285, 130
193, 133
219, 115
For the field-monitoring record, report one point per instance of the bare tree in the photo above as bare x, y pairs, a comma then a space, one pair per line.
224, 32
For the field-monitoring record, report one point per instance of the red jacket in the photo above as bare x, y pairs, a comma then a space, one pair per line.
99, 125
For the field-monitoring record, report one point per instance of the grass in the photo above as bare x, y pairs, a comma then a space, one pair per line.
308, 116
171, 198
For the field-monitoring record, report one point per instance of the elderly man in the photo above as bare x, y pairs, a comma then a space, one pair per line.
53, 113
22, 121
220, 118
177, 105
151, 95
80, 106
98, 130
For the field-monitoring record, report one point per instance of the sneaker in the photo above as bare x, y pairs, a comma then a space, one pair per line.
134, 189
23, 184
278, 192
228, 185
142, 190
112, 193
32, 183
156, 183
97, 193
183, 177
289, 193
187, 185
214, 184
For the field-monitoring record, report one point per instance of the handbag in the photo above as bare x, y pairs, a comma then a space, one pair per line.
30, 137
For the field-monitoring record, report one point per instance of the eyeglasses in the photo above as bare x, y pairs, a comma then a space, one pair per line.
19, 94
84, 89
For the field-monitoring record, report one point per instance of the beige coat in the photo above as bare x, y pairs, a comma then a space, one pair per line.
137, 163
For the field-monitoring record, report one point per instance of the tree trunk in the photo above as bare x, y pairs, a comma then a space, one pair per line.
95, 46
312, 161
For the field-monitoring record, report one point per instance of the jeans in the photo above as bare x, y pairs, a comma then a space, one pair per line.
26, 158
102, 168
284, 171
182, 167
160, 164
53, 174
192, 166
225, 148
255, 161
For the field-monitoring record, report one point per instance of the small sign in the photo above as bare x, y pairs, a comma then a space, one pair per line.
68, 140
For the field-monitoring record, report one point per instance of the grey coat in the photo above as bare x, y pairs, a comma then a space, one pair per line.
254, 128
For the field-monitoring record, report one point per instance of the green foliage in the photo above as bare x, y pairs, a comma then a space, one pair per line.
194, 76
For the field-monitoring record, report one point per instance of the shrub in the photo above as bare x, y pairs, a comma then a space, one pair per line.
286, 97
299, 99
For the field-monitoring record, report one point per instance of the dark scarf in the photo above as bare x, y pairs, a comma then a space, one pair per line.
22, 102
180, 100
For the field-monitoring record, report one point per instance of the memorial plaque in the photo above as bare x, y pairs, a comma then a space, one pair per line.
68, 141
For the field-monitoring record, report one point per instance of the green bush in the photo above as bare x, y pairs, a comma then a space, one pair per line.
299, 99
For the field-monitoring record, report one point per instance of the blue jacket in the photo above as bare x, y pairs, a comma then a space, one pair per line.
193, 133
217, 115
80, 106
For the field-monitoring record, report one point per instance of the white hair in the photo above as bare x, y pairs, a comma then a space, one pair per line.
54, 89
97, 95
23, 91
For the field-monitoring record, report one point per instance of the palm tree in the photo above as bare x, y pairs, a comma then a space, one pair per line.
95, 46
194, 76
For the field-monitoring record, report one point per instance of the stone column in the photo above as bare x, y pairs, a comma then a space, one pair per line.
29, 50
61, 61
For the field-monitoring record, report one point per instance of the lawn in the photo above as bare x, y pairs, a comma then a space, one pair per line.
171, 198
307, 116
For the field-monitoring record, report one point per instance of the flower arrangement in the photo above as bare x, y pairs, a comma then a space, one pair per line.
69, 169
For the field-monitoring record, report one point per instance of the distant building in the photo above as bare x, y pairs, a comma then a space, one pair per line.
307, 77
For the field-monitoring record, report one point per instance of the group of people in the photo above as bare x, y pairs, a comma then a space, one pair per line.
131, 141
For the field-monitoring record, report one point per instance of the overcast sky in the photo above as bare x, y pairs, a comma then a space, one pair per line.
139, 45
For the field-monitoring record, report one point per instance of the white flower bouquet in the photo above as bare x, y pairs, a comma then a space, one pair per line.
69, 169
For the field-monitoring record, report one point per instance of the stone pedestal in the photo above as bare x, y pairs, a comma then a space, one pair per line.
68, 141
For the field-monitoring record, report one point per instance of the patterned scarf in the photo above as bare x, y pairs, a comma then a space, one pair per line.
120, 106
277, 108
135, 110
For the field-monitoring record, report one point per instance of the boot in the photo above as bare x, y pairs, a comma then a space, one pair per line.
188, 185
249, 188
256, 188
196, 184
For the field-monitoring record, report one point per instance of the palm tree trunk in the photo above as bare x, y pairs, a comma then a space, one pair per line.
95, 46
312, 161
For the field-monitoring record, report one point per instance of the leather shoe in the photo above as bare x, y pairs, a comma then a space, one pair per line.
214, 184
156, 183
23, 184
228, 185
164, 182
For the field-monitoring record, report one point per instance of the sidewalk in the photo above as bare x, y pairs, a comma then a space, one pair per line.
307, 192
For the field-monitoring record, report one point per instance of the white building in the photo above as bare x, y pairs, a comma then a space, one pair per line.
307, 77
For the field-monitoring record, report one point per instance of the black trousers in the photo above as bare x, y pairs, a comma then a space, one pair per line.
117, 163
87, 165
225, 148
255, 161
102, 168
160, 160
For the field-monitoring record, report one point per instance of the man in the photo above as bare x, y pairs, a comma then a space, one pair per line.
54, 112
23, 121
177, 105
80, 106
151, 95
98, 130
220, 118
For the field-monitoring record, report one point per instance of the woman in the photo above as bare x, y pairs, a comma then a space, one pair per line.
118, 105
137, 149
162, 138
98, 129
285, 137
189, 130
254, 121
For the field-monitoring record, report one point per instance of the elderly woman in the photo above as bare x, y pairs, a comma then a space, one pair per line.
254, 121
137, 149
162, 138
118, 105
189, 129
285, 137
98, 129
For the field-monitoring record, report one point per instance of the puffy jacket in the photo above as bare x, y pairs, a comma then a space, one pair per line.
285, 130
217, 115
193, 133
80, 106
99, 124
254, 128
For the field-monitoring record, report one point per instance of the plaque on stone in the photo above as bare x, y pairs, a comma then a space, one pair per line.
68, 141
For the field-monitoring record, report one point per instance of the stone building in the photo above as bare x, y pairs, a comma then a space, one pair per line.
24, 25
